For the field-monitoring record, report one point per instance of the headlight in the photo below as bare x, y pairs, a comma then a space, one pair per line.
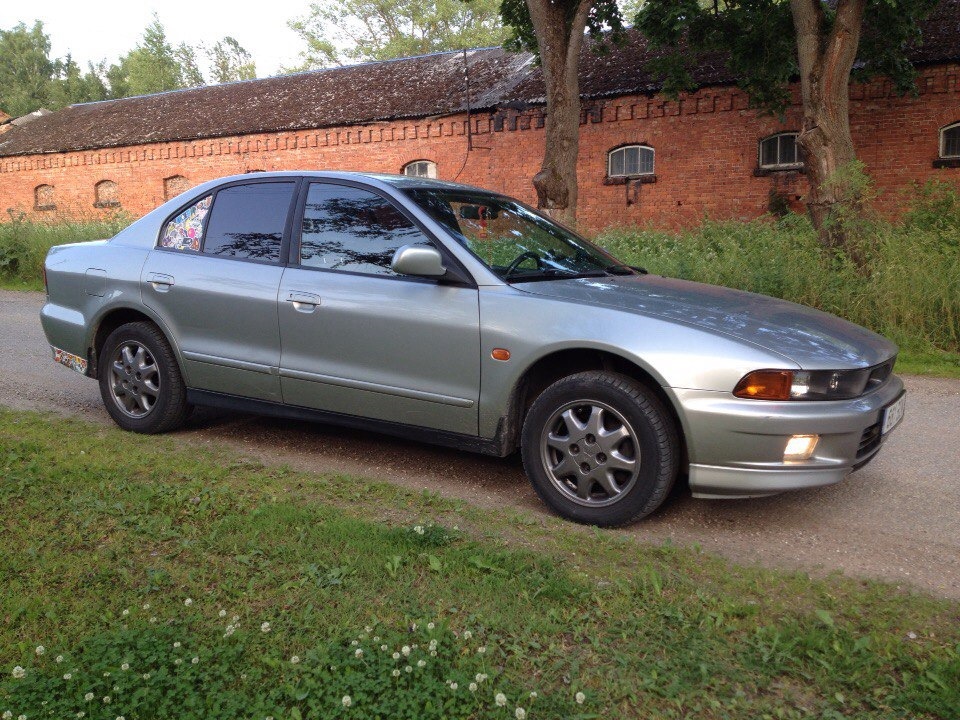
811, 384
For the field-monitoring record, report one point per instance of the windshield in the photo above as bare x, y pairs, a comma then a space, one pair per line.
514, 241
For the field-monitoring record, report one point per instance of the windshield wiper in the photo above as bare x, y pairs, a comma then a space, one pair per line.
551, 274
624, 270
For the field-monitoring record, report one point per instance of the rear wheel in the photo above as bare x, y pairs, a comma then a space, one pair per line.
140, 380
600, 448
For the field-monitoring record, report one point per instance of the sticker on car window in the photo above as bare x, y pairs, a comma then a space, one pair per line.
185, 231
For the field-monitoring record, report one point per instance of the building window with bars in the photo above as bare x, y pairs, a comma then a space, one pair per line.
780, 152
630, 161
421, 168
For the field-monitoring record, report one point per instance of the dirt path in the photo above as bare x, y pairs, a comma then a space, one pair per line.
897, 519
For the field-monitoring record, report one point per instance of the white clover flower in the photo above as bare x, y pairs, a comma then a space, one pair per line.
430, 626
126, 611
177, 644
81, 714
59, 658
88, 697
405, 650
433, 644
347, 702
146, 606
125, 666
433, 653
6, 715
396, 656
408, 669
146, 676
235, 619
195, 660
395, 673
418, 529
500, 699
106, 699
413, 627
580, 698
384, 648
222, 613
178, 661
354, 642
473, 687
21, 717
358, 653
231, 629
520, 713
40, 650
376, 638
107, 674
368, 629
153, 620
121, 717
19, 673
481, 650
421, 663
467, 634
294, 659
188, 602
454, 686
533, 695
265, 627
480, 677
67, 676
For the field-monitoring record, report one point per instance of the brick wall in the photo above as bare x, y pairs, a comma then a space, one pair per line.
705, 144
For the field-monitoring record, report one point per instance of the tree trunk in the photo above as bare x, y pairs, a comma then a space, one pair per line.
559, 41
825, 64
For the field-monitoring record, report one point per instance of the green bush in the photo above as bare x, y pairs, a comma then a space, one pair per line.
24, 243
908, 290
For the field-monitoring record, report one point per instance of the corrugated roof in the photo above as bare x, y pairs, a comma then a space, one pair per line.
414, 87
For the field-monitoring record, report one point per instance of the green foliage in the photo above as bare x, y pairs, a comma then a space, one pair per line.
154, 65
908, 288
24, 243
229, 62
604, 24
97, 521
759, 41
362, 30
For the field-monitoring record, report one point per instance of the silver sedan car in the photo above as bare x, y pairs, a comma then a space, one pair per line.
444, 313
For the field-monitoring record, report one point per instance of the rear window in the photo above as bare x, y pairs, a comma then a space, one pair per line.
185, 231
247, 221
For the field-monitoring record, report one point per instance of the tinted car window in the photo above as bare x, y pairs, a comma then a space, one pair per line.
350, 229
247, 221
185, 231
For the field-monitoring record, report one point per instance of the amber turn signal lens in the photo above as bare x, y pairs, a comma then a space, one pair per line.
765, 385
500, 354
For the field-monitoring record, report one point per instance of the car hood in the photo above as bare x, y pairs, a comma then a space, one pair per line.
811, 338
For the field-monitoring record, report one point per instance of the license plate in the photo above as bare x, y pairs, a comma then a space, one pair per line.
893, 414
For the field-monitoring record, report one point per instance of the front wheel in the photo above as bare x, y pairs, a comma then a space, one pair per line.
600, 448
140, 381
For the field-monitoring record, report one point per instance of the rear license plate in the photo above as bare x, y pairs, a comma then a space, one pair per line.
893, 414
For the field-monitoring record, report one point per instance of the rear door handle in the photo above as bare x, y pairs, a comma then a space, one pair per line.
160, 282
303, 302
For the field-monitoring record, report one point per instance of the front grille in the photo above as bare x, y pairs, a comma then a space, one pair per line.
869, 441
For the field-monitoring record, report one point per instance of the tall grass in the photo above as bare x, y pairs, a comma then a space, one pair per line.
24, 243
908, 288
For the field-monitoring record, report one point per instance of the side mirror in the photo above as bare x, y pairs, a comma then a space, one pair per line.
418, 260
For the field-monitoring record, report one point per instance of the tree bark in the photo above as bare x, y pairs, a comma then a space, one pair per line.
826, 60
559, 28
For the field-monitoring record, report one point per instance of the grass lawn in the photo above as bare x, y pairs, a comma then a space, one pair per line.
147, 571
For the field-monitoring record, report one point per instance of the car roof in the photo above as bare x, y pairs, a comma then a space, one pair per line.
399, 181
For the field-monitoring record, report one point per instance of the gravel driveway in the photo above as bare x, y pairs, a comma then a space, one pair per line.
897, 519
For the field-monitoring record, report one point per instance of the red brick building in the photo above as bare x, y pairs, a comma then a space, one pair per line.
477, 117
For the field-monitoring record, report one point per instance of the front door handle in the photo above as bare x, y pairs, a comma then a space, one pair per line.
160, 282
303, 302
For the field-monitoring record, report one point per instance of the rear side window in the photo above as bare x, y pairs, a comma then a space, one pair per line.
352, 230
247, 221
185, 231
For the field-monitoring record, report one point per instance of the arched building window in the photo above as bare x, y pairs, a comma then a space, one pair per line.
779, 152
174, 185
106, 194
421, 168
950, 141
630, 161
43, 198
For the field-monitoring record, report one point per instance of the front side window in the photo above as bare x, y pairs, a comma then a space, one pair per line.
185, 231
950, 141
353, 230
513, 240
421, 168
630, 161
780, 151
247, 221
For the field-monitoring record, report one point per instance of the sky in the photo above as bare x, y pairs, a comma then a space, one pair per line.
106, 29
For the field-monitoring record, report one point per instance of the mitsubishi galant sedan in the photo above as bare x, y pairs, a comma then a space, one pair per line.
443, 313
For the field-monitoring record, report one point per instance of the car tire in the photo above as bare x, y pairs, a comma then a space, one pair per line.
140, 380
600, 448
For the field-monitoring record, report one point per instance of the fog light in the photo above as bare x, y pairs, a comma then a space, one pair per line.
800, 447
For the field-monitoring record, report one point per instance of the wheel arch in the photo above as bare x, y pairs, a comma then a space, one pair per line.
113, 317
557, 364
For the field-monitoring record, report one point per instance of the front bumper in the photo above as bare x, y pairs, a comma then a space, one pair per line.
735, 447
